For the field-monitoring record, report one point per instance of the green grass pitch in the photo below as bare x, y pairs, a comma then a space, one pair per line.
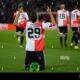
12, 56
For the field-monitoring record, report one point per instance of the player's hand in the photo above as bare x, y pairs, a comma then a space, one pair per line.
48, 9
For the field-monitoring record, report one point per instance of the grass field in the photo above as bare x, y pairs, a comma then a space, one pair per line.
12, 56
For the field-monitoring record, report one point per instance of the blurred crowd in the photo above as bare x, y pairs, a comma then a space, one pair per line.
8, 7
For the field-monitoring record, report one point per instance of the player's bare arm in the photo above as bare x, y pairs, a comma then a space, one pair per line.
79, 20
16, 18
53, 22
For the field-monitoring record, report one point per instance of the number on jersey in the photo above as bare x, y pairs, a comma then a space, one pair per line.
73, 17
34, 32
62, 16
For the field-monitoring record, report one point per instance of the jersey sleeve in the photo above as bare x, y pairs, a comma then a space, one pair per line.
78, 13
15, 13
48, 25
67, 13
26, 15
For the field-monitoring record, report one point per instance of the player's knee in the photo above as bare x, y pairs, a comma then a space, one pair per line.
22, 34
65, 34
18, 33
61, 34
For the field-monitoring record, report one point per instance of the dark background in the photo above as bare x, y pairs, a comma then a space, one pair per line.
8, 7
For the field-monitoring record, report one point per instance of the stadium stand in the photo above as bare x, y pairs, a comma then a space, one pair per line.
7, 7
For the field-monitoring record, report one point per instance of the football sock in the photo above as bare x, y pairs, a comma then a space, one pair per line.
65, 39
76, 40
61, 40
22, 39
17, 36
73, 37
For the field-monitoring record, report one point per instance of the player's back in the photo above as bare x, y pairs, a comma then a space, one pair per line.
34, 36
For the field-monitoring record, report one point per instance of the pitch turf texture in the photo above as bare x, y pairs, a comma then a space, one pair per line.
57, 59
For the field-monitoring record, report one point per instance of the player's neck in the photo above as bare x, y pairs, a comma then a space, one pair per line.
62, 9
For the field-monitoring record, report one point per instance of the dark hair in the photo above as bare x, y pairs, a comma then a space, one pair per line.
20, 5
62, 3
33, 17
76, 7
40, 18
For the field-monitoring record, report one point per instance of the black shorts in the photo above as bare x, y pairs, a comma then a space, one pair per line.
19, 29
63, 29
35, 56
74, 29
79, 29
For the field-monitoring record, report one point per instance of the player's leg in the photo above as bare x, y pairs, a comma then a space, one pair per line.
61, 36
79, 35
17, 32
65, 30
22, 38
76, 38
73, 37
39, 55
29, 58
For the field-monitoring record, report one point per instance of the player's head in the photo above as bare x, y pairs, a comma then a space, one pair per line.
76, 7
20, 6
62, 6
33, 17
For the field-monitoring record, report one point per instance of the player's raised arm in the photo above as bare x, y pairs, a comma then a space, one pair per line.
53, 22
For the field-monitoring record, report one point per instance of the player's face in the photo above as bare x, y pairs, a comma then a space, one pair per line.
62, 6
21, 9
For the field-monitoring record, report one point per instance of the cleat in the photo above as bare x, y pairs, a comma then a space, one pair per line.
78, 41
21, 46
71, 44
76, 47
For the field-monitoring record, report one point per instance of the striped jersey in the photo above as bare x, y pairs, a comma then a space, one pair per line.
62, 16
74, 18
23, 18
35, 35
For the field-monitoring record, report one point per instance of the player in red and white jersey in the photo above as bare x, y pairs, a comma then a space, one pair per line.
75, 26
62, 17
35, 39
23, 18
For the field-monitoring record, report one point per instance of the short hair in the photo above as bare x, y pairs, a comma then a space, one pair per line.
33, 17
62, 3
76, 6
20, 5
40, 18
